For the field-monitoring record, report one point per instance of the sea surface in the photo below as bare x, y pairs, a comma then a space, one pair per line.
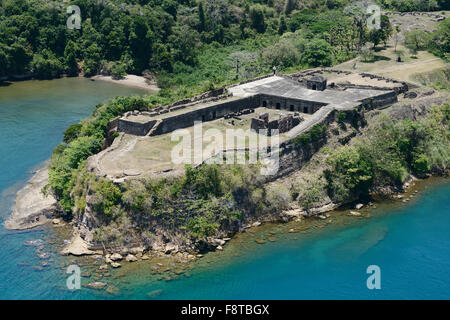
409, 242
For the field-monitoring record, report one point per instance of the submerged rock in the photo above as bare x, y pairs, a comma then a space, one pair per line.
97, 285
155, 293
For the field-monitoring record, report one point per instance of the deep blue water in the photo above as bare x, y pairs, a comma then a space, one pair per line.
410, 244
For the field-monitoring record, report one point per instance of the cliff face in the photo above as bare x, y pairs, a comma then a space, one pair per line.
297, 189
133, 228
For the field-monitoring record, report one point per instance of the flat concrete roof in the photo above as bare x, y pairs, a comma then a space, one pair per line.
281, 87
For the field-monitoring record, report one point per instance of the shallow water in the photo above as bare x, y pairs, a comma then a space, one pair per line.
33, 117
409, 242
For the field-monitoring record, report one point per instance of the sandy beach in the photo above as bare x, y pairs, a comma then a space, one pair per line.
129, 80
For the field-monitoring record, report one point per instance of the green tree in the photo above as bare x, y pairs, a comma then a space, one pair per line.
92, 58
282, 25
415, 40
257, 18
318, 52
201, 17
70, 58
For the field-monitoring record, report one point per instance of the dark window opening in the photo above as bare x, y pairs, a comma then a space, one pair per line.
214, 114
278, 106
314, 87
292, 107
265, 104
203, 118
305, 109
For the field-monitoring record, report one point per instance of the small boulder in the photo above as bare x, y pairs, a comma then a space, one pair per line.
359, 206
115, 265
108, 259
116, 257
355, 213
131, 258
137, 250
56, 221
97, 285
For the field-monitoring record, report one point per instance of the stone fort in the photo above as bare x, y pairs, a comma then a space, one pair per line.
305, 96
293, 104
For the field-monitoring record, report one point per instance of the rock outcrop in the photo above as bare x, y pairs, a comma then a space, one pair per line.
32, 208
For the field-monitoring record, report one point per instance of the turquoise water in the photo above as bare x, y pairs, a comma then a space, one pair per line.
410, 244
33, 117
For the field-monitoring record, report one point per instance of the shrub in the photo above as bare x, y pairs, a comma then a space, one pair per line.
106, 196
72, 132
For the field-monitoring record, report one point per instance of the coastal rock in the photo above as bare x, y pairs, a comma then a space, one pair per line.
44, 255
97, 285
359, 206
219, 248
256, 224
137, 250
77, 247
217, 242
32, 208
355, 213
56, 221
115, 265
170, 248
108, 259
116, 257
130, 258
155, 293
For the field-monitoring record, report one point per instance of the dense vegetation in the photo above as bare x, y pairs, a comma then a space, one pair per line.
389, 153
437, 42
189, 45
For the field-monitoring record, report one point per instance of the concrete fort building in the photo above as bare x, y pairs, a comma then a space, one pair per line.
274, 92
292, 104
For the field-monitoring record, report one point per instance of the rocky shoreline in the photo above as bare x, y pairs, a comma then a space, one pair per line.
33, 208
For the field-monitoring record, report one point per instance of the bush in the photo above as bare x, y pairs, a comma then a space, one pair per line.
118, 70
106, 196
318, 52
72, 132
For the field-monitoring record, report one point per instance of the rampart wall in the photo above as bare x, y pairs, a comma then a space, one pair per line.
209, 113
136, 128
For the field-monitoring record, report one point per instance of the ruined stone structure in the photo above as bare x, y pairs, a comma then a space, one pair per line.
283, 124
273, 92
316, 83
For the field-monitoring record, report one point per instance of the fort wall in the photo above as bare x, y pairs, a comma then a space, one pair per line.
136, 128
209, 113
